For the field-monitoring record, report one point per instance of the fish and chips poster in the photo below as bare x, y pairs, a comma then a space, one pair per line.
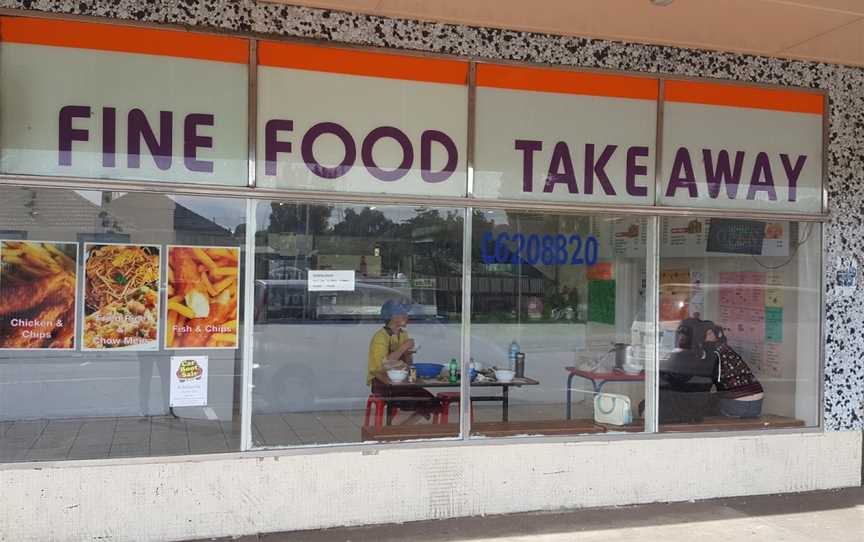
203, 299
121, 296
38, 285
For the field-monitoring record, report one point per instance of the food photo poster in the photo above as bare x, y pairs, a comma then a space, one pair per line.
203, 300
38, 285
121, 296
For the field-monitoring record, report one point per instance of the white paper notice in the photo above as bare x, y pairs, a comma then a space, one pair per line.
188, 381
331, 281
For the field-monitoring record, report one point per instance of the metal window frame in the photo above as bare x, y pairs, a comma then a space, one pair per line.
253, 194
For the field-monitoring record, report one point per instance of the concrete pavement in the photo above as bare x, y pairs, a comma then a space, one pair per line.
823, 516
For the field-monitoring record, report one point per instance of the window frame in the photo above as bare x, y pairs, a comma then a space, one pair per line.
251, 194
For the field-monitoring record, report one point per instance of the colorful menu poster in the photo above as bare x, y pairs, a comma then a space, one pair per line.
38, 285
683, 237
674, 294
121, 296
203, 299
189, 375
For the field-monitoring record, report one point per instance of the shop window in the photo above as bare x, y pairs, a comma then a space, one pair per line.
120, 324
334, 286
739, 324
558, 306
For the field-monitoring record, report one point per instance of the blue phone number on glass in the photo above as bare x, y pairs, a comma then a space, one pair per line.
533, 249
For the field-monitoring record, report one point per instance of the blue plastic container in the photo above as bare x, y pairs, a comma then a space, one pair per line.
428, 370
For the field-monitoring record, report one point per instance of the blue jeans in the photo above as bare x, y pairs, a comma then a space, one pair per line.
741, 409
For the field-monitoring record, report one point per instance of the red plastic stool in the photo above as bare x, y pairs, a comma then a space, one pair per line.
446, 398
380, 404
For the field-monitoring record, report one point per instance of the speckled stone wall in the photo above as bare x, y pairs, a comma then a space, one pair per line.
844, 370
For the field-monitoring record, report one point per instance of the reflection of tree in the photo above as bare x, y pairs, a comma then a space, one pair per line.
437, 241
298, 218
366, 223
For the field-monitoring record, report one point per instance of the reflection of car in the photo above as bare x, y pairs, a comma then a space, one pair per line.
290, 299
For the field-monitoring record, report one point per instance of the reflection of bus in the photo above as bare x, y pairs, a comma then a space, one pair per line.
290, 299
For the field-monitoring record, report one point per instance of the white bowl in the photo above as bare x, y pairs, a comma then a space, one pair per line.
397, 375
504, 375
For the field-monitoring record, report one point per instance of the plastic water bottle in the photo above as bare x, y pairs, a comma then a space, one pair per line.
514, 349
454, 371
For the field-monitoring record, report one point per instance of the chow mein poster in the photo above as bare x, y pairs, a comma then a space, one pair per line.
121, 296
38, 285
203, 297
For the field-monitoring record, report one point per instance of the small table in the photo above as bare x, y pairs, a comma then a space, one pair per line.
394, 388
597, 381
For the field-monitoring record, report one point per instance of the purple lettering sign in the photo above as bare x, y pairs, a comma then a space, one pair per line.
192, 142
723, 172
528, 148
272, 145
67, 134
159, 148
634, 170
369, 161
306, 148
426, 140
593, 168
682, 175
561, 158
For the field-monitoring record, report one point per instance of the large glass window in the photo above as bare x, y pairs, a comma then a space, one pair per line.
557, 323
344, 294
740, 324
120, 324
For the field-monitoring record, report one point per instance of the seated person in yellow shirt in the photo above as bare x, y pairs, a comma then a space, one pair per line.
392, 348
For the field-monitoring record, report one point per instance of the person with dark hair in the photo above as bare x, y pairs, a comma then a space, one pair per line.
741, 394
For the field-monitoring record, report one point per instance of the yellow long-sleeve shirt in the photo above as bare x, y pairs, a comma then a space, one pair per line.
383, 343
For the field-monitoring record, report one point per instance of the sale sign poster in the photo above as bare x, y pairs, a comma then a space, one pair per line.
189, 375
121, 296
38, 285
203, 299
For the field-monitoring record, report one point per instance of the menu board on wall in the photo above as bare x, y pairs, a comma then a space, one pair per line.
361, 121
89, 100
121, 296
38, 293
203, 300
689, 237
629, 238
751, 311
735, 236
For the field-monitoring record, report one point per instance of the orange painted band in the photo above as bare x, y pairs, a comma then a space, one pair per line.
124, 39
366, 63
567, 82
698, 92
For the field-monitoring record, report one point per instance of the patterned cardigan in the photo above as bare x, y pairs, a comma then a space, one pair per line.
734, 379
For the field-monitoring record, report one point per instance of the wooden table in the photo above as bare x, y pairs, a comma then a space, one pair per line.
597, 381
395, 387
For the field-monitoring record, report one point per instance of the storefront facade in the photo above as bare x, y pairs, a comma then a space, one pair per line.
200, 230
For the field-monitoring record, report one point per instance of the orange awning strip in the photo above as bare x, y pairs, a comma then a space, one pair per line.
123, 39
699, 92
365, 63
567, 82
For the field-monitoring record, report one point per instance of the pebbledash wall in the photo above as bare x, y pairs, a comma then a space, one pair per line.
233, 494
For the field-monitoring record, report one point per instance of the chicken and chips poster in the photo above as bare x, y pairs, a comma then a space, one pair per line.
121, 296
203, 300
38, 285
